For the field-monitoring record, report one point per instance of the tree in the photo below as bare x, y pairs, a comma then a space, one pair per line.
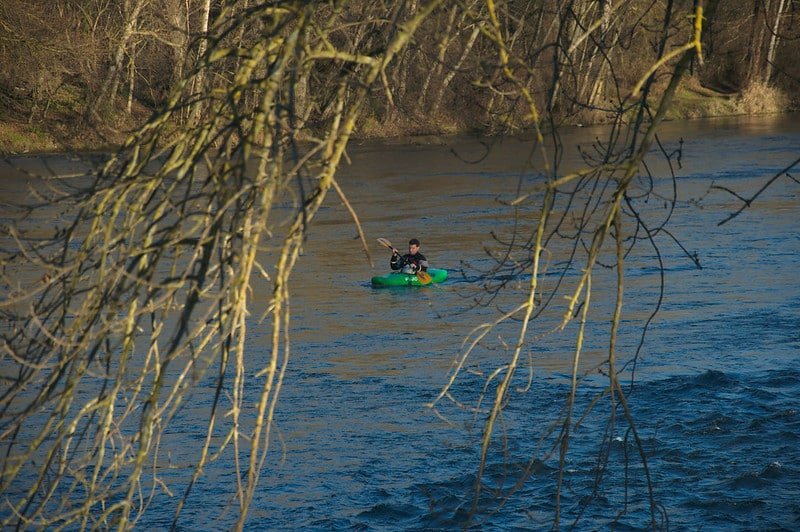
145, 291
107, 93
774, 40
596, 201
186, 233
765, 36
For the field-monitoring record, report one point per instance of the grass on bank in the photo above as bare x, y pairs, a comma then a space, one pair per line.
62, 129
16, 138
695, 101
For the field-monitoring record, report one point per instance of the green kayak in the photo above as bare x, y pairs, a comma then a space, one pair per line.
407, 279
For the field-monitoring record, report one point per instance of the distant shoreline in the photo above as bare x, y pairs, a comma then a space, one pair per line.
59, 136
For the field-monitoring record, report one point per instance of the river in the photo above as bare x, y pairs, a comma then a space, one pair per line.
715, 392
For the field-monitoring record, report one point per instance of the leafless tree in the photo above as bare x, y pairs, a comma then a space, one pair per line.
582, 220
145, 293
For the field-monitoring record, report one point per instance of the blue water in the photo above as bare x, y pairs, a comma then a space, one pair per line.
714, 388
714, 395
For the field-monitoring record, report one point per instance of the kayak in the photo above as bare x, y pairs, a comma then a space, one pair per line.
408, 279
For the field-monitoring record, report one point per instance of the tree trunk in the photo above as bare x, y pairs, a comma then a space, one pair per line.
108, 90
177, 15
565, 36
199, 80
131, 79
757, 42
400, 72
774, 41
444, 43
453, 71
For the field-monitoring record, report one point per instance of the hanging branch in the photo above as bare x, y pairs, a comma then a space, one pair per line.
747, 202
147, 292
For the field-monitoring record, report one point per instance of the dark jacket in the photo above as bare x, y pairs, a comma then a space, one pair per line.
416, 262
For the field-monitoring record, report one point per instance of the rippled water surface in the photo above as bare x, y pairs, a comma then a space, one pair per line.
716, 391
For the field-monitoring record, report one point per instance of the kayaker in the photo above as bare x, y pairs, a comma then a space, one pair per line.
411, 262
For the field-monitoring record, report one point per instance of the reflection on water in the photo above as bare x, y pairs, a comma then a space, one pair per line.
716, 381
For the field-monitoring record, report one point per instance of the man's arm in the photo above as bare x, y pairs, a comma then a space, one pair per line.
422, 262
396, 262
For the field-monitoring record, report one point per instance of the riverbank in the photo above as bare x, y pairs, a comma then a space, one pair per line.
65, 130
61, 130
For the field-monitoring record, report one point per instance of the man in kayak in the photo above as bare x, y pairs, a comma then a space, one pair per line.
411, 262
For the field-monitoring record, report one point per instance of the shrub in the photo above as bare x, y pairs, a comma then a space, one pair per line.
760, 98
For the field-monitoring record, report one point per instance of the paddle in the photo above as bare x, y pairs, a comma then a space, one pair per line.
424, 277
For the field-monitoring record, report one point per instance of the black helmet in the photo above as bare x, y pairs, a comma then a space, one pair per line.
413, 242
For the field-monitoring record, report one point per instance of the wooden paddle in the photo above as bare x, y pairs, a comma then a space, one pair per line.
424, 277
